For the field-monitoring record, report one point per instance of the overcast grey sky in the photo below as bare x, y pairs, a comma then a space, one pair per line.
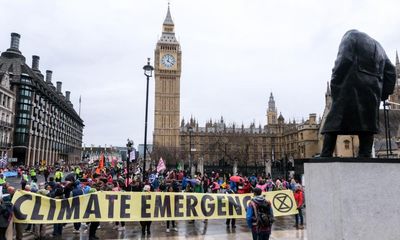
235, 52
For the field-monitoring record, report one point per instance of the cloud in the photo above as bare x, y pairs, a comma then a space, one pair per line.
235, 52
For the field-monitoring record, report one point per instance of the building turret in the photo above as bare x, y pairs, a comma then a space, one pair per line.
281, 119
271, 111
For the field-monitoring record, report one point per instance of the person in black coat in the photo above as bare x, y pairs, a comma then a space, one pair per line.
362, 77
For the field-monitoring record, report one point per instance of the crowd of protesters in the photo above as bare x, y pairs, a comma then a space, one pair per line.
72, 181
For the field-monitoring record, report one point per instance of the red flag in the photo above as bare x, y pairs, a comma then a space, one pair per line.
161, 165
101, 161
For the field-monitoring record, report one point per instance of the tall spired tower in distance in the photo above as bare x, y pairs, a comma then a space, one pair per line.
167, 61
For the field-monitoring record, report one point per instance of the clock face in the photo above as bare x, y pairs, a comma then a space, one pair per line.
168, 60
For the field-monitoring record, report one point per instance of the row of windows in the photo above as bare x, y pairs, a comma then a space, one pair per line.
55, 120
25, 107
5, 137
26, 93
21, 139
23, 121
45, 106
25, 100
40, 127
21, 130
26, 80
5, 117
5, 100
47, 118
53, 123
169, 47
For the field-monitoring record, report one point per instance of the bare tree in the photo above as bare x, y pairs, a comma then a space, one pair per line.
171, 155
231, 147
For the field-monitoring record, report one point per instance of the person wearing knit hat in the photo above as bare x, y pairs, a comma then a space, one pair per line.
146, 188
146, 224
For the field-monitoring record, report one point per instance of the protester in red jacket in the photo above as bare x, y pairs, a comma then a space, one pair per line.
244, 187
298, 196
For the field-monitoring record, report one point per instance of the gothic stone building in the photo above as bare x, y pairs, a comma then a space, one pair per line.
217, 144
47, 129
7, 102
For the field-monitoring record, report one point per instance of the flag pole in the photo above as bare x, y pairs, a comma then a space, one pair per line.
80, 101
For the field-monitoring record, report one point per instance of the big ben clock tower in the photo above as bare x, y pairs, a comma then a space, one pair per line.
167, 87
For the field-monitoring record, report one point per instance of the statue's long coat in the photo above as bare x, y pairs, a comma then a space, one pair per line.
362, 77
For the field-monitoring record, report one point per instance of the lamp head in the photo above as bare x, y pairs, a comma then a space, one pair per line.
148, 69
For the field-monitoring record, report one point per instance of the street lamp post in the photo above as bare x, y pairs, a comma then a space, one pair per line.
190, 129
129, 148
148, 72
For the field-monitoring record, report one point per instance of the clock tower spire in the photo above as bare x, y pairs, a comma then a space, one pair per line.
271, 111
168, 18
167, 63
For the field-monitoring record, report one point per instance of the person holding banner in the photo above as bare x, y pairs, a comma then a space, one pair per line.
94, 225
77, 191
58, 227
231, 221
116, 188
172, 222
40, 229
146, 224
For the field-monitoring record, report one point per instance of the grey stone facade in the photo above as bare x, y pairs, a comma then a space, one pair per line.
47, 129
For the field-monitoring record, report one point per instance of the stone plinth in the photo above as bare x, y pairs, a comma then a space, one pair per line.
351, 199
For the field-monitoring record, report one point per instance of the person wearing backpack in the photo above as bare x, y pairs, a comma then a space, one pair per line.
259, 216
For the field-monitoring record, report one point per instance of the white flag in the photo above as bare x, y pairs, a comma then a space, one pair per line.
132, 156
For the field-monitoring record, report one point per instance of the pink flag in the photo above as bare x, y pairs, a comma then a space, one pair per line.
161, 165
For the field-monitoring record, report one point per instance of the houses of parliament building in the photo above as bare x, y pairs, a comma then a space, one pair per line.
219, 144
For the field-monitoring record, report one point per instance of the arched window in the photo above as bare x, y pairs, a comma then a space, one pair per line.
346, 144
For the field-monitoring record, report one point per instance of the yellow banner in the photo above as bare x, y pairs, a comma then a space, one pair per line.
140, 206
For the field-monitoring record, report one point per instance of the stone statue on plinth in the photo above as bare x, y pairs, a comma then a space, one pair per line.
362, 77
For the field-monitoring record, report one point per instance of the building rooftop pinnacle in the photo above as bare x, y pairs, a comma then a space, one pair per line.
168, 18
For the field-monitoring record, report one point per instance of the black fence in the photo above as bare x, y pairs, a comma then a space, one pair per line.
279, 169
